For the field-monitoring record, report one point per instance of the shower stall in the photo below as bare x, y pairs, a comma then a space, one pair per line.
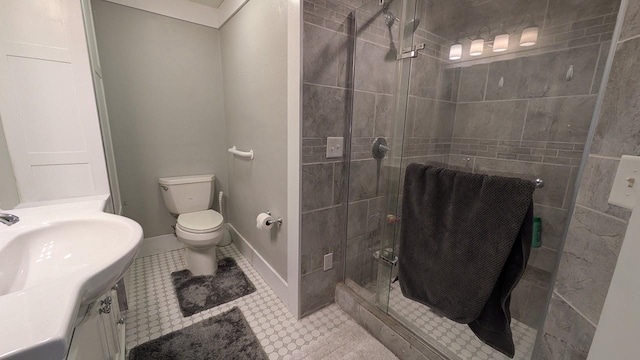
499, 87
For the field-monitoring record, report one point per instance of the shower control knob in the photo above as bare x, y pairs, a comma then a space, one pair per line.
380, 148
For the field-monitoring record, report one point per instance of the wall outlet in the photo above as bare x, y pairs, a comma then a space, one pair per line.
334, 147
328, 261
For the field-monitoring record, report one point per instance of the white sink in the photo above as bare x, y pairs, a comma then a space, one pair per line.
56, 259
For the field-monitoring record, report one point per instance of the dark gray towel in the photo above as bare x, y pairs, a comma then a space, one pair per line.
464, 245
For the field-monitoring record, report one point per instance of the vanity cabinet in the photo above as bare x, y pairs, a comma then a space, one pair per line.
100, 335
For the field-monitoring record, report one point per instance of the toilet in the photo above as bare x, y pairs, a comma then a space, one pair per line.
198, 227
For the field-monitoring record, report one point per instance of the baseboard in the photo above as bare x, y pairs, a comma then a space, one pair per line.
159, 244
268, 273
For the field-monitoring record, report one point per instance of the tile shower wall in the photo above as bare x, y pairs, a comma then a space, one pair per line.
562, 23
535, 126
326, 109
516, 114
597, 229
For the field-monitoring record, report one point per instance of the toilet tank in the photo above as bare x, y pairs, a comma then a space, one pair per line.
185, 194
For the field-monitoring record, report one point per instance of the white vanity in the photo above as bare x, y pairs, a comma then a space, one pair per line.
58, 267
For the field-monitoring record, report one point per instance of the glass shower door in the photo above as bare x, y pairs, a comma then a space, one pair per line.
380, 101
428, 86
387, 255
502, 87
421, 133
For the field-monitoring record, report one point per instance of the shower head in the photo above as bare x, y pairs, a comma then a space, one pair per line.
389, 19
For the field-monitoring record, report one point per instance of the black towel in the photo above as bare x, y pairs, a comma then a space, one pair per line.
464, 245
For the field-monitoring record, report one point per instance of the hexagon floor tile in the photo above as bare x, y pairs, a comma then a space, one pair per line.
154, 311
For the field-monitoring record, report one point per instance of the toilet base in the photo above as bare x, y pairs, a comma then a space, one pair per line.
201, 261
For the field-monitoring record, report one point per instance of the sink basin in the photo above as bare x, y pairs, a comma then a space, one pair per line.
61, 248
53, 261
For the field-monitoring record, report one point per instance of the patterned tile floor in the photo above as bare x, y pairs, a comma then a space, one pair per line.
153, 308
454, 337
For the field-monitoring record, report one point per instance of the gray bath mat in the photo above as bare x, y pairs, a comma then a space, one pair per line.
226, 336
199, 293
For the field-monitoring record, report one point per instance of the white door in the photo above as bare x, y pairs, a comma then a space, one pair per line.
47, 101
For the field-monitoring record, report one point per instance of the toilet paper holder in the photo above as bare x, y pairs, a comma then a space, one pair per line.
277, 221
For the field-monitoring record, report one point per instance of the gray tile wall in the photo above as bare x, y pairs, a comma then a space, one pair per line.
327, 48
534, 125
517, 115
597, 228
562, 24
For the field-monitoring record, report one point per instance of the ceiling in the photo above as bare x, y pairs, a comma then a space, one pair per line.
211, 13
211, 3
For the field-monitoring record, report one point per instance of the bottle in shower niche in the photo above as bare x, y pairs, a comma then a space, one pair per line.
536, 242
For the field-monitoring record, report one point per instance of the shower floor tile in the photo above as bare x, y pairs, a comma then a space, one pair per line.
456, 338
154, 310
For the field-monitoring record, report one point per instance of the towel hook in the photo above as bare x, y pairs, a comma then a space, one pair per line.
539, 183
569, 75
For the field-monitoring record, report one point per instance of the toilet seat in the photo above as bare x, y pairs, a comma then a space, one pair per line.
200, 222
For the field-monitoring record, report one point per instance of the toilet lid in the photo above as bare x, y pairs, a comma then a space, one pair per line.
207, 220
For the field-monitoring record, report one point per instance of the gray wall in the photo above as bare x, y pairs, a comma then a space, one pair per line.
597, 229
9, 196
163, 84
254, 59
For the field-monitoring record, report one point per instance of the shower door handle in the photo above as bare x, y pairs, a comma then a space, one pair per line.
411, 52
389, 257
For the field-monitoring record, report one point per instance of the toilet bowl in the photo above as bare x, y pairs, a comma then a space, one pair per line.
201, 231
